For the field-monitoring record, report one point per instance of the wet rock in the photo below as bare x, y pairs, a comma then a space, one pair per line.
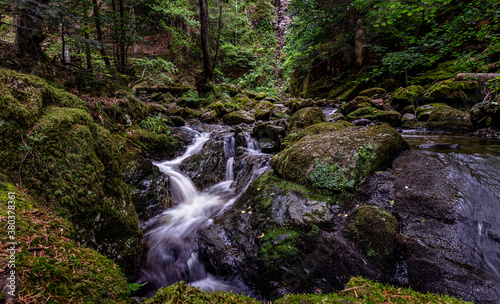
304, 118
266, 145
408, 117
391, 117
295, 104
335, 117
439, 146
361, 122
208, 167
272, 132
272, 240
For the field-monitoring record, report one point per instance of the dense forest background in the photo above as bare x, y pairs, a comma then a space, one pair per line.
301, 47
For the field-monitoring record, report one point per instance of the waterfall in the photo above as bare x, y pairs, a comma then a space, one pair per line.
252, 144
229, 151
171, 239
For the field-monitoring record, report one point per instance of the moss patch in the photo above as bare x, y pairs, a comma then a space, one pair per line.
304, 118
360, 290
182, 293
50, 266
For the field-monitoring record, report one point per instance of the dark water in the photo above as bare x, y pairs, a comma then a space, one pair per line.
474, 169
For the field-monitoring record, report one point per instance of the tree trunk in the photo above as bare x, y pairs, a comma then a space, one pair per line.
29, 33
98, 28
123, 53
205, 40
218, 36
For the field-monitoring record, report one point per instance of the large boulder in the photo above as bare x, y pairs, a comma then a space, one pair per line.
70, 163
272, 240
446, 118
458, 94
404, 97
375, 115
337, 156
304, 118
357, 103
264, 110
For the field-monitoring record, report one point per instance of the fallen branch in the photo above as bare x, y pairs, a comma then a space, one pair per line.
477, 76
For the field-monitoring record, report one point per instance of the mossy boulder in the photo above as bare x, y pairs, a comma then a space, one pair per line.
337, 156
242, 99
357, 103
346, 91
446, 118
374, 230
404, 97
304, 118
264, 110
459, 94
193, 103
295, 104
50, 265
391, 117
486, 114
238, 117
373, 92
70, 163
220, 108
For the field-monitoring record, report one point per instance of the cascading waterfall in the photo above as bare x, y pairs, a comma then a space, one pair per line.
170, 241
229, 151
252, 144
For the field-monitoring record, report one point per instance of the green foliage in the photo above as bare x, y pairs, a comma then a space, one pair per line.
157, 124
155, 71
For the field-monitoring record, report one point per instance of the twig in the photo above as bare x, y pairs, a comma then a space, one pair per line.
142, 76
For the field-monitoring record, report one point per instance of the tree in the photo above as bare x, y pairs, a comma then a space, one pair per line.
205, 43
29, 33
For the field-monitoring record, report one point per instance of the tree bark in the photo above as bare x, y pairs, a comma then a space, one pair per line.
218, 36
29, 33
98, 28
205, 41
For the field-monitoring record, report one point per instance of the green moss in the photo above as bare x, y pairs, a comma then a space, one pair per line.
372, 92
58, 271
374, 230
362, 291
238, 117
182, 293
449, 91
278, 243
446, 118
304, 118
263, 110
404, 97
357, 103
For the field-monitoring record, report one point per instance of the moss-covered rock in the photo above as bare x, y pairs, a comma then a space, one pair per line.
486, 114
337, 156
295, 104
304, 118
53, 147
446, 118
454, 93
346, 91
373, 92
220, 108
374, 230
238, 117
50, 266
391, 117
264, 110
404, 97
241, 99
357, 103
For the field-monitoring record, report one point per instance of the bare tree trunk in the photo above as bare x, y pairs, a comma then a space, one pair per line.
218, 36
123, 53
205, 41
29, 33
97, 20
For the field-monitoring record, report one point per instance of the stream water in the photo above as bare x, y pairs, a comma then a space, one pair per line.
474, 169
170, 238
